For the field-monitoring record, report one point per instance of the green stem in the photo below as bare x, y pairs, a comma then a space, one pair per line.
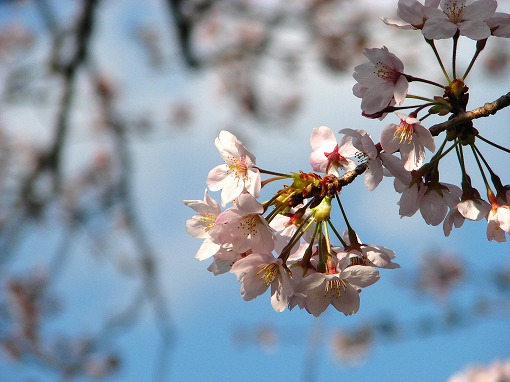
480, 45
339, 237
418, 79
433, 102
475, 153
343, 213
433, 46
283, 176
494, 144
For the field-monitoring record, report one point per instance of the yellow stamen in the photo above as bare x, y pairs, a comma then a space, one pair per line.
268, 272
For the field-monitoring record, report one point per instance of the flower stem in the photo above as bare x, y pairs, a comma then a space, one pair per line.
433, 46
479, 47
339, 237
476, 153
495, 179
343, 213
418, 79
494, 144
282, 176
433, 102
454, 54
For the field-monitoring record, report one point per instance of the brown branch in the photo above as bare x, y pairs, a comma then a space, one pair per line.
349, 176
483, 111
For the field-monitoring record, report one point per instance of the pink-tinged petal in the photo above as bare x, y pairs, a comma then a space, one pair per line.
499, 24
412, 155
374, 174
453, 218
410, 11
318, 161
315, 301
493, 230
346, 147
244, 265
388, 141
226, 144
360, 275
223, 262
197, 228
252, 285
438, 28
380, 256
248, 204
377, 98
480, 10
397, 23
216, 177
430, 12
279, 298
348, 302
432, 208
504, 218
425, 137
253, 184
207, 250
475, 30
323, 138
231, 190
310, 282
409, 201
396, 167
474, 209
400, 90
432, 3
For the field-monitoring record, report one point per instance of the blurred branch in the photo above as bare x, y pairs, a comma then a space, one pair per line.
184, 25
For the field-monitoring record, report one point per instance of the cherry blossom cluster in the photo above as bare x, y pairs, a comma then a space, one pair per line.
289, 242
383, 86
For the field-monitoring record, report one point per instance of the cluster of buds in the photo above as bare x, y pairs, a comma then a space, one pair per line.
289, 242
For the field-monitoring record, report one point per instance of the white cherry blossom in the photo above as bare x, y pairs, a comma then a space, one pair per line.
257, 272
243, 228
498, 222
380, 82
410, 138
328, 155
499, 24
411, 14
238, 174
363, 142
466, 17
338, 289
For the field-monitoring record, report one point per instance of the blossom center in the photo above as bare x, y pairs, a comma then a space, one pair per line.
249, 225
334, 157
334, 288
404, 132
454, 11
238, 167
209, 220
267, 273
386, 73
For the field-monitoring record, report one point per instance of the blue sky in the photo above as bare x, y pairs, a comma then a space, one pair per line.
207, 311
